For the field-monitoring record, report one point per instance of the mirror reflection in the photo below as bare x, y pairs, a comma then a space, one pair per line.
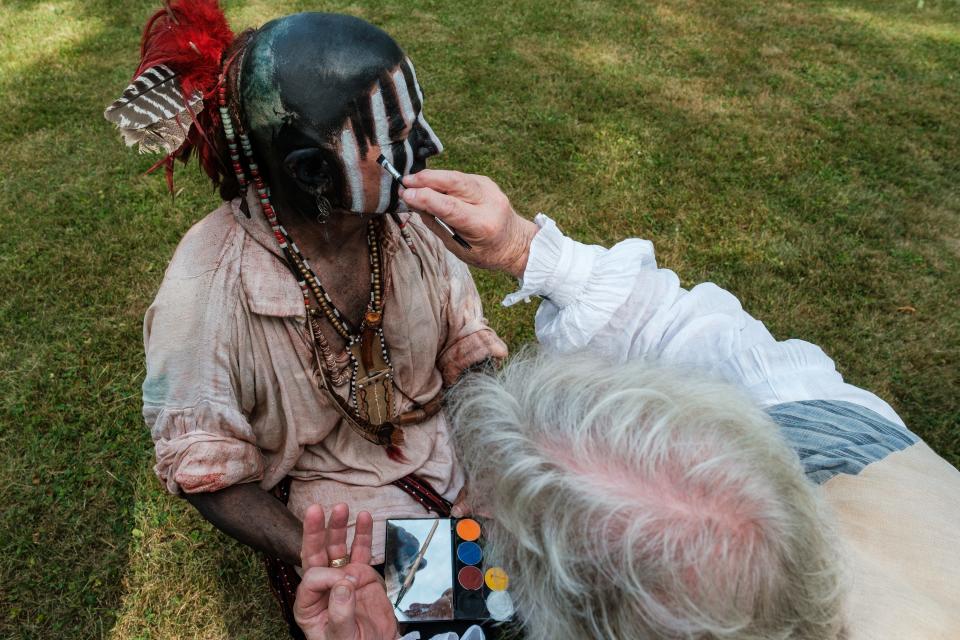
419, 569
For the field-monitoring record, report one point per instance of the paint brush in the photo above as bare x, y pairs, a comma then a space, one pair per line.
392, 170
412, 571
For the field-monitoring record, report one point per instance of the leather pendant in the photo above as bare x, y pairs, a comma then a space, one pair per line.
374, 377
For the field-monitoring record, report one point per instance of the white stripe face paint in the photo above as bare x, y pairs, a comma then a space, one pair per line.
406, 105
408, 150
380, 122
382, 134
416, 82
350, 156
423, 121
389, 121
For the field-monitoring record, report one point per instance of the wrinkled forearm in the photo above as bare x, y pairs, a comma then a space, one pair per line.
254, 517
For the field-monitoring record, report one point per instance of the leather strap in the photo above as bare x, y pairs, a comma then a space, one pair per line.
422, 491
421, 413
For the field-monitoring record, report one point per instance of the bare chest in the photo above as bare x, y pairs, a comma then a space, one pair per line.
345, 276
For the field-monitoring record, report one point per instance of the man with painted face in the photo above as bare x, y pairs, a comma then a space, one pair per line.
304, 331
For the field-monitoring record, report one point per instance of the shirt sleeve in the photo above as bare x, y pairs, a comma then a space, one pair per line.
468, 338
473, 633
618, 303
191, 392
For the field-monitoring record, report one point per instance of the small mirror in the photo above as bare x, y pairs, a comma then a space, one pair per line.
419, 569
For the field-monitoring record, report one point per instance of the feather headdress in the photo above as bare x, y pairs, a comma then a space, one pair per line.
170, 101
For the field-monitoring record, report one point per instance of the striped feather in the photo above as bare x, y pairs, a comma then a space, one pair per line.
153, 96
164, 136
152, 113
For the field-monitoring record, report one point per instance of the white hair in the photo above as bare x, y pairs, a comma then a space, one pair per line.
636, 501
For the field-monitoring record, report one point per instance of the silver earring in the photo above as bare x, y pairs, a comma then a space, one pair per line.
323, 208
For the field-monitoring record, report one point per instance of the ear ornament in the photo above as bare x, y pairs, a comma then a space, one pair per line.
323, 207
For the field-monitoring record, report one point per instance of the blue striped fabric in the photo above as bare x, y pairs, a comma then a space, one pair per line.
833, 436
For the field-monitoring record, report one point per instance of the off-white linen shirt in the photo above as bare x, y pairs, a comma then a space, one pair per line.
230, 395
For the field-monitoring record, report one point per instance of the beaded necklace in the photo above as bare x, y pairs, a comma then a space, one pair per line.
371, 373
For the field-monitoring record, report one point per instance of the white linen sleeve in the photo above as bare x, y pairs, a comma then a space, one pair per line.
473, 633
617, 303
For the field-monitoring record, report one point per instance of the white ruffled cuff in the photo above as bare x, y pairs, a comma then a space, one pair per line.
473, 633
557, 268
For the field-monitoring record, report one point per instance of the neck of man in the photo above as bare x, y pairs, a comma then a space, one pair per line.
337, 251
343, 232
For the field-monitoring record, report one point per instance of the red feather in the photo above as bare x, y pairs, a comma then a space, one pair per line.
190, 36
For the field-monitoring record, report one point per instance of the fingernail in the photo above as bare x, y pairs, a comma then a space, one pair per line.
341, 594
352, 579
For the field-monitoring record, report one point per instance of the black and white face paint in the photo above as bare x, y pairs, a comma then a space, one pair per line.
389, 121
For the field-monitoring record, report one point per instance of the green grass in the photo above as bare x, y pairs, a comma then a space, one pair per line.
803, 155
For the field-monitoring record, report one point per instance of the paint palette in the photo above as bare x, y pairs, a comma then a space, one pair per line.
435, 570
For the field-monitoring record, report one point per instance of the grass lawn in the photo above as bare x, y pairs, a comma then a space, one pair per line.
803, 155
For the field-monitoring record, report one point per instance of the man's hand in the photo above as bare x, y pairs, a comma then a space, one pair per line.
461, 505
479, 211
349, 603
465, 505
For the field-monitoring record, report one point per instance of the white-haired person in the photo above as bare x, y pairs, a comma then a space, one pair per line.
664, 468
